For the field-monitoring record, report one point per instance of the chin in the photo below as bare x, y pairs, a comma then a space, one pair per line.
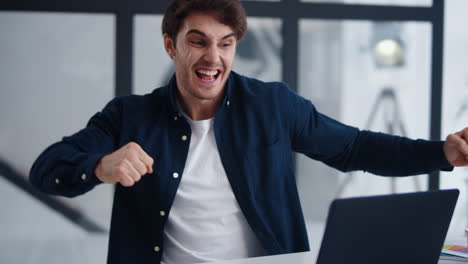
209, 95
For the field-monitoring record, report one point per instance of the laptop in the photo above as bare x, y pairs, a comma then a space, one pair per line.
393, 229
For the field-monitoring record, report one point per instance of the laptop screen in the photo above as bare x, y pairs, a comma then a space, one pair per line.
400, 228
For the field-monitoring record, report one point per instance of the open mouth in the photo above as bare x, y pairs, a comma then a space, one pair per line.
208, 75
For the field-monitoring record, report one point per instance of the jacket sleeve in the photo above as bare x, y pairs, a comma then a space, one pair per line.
67, 167
347, 148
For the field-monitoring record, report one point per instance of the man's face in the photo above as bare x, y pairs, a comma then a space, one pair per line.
203, 57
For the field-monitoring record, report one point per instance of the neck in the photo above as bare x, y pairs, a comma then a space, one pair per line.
198, 109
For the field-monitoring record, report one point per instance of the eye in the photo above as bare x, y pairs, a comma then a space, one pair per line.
197, 43
227, 44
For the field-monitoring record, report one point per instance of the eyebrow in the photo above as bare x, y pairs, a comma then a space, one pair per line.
198, 32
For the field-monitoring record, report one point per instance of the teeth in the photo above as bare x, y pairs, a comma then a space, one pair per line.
210, 73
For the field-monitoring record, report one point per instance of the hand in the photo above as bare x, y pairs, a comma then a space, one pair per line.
126, 165
456, 148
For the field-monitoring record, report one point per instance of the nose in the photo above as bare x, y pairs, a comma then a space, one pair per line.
212, 54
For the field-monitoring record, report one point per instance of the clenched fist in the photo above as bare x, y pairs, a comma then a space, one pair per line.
456, 148
126, 165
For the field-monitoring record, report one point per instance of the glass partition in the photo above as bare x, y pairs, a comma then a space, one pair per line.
56, 71
371, 75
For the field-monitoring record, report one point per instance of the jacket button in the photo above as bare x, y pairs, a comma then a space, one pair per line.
162, 213
175, 175
83, 176
156, 248
57, 181
184, 138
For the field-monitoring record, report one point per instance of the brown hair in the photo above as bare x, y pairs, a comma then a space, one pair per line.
228, 12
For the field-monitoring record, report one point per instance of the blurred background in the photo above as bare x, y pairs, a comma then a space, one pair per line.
59, 68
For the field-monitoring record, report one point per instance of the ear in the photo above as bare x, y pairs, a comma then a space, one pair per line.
169, 45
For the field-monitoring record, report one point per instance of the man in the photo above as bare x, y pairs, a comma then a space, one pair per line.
204, 166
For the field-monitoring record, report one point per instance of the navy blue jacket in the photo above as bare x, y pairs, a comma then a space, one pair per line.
257, 128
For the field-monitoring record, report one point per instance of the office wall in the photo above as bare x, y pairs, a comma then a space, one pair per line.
56, 70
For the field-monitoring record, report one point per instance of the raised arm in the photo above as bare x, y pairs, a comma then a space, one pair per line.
67, 167
347, 148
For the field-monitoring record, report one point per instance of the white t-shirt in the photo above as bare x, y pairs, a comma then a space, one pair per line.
205, 222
